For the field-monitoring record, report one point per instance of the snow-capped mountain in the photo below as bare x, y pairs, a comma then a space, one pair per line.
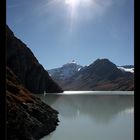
66, 71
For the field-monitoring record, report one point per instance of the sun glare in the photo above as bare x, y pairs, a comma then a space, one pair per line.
77, 2
75, 7
72, 3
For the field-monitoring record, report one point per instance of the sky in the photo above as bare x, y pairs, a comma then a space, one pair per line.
59, 31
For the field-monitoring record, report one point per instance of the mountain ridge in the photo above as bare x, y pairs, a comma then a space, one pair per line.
99, 75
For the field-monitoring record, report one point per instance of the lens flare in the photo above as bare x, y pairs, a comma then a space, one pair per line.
72, 3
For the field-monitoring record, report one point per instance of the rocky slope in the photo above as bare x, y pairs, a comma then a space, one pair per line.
28, 118
100, 75
27, 68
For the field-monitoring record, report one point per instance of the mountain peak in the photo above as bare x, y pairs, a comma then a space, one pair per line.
103, 63
66, 71
73, 61
71, 64
103, 60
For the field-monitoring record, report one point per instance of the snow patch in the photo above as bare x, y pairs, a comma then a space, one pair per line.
127, 69
79, 69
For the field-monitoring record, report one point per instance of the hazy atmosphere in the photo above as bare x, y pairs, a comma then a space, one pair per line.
58, 31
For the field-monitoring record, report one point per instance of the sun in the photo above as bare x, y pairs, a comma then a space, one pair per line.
75, 7
76, 3
72, 3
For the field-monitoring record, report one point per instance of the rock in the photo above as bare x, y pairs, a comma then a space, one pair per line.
24, 64
28, 118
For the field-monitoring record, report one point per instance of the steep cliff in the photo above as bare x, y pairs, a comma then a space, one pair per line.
24, 64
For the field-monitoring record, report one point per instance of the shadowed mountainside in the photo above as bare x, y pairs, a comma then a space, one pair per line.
24, 64
28, 118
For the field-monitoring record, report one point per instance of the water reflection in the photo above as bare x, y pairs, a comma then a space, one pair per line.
99, 108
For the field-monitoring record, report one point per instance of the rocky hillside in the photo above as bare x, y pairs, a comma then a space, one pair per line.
100, 75
28, 118
24, 64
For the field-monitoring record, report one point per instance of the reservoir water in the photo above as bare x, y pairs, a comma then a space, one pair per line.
92, 115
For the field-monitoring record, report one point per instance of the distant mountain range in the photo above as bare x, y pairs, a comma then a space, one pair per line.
102, 74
